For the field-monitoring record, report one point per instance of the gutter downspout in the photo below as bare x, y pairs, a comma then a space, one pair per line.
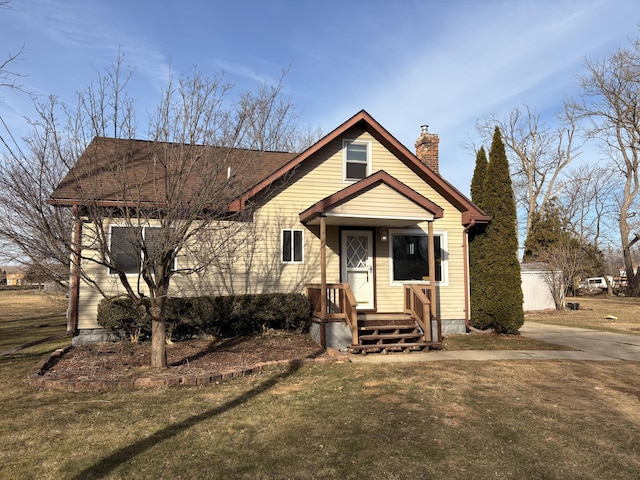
465, 249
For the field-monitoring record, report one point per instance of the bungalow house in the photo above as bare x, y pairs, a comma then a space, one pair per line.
367, 229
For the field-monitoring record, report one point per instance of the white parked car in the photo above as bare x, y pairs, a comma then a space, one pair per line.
597, 284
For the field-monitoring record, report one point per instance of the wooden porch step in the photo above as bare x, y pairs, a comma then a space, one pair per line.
390, 331
387, 333
390, 336
398, 326
396, 321
393, 347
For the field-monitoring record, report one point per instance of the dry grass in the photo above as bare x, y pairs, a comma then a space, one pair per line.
494, 341
27, 315
454, 420
593, 314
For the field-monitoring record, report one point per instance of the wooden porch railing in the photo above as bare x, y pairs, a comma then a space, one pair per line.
341, 306
417, 303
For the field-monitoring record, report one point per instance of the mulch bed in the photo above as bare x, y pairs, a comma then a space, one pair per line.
101, 365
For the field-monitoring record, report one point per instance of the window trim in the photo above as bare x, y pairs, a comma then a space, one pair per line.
292, 246
345, 143
443, 234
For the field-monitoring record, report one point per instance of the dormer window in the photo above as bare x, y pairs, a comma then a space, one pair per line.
357, 160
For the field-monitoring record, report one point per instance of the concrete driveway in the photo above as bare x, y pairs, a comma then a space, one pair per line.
590, 345
609, 346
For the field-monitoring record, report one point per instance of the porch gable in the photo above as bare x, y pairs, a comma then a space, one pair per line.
379, 196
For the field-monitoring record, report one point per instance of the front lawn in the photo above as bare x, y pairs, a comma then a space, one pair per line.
596, 312
453, 420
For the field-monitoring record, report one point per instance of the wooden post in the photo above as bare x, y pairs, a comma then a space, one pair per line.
467, 285
323, 281
432, 270
74, 286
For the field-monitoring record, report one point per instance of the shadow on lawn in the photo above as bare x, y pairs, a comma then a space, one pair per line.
119, 457
29, 323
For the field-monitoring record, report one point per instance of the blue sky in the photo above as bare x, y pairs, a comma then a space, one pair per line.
443, 63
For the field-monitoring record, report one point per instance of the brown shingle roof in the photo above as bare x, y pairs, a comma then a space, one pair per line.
470, 212
120, 171
96, 179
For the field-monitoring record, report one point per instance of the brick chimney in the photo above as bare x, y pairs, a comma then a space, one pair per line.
427, 148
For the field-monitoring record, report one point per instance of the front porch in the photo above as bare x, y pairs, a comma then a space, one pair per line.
341, 326
381, 233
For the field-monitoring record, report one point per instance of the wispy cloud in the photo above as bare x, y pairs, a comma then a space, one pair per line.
245, 72
82, 28
493, 59
408, 63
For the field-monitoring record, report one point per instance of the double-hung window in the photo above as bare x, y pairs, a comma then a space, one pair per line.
410, 256
126, 248
356, 159
292, 246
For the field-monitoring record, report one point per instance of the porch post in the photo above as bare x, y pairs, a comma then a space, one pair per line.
74, 284
323, 281
432, 269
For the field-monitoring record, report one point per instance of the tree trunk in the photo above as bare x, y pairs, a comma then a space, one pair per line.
158, 333
633, 283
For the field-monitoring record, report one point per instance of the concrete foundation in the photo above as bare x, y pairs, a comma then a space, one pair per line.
90, 335
453, 326
338, 335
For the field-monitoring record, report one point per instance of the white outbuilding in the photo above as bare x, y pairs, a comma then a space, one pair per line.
536, 286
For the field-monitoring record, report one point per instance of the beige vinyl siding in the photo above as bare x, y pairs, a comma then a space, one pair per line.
319, 179
107, 283
381, 200
253, 263
450, 295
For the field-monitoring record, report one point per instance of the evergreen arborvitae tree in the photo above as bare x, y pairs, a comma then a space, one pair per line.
503, 288
479, 177
477, 241
547, 229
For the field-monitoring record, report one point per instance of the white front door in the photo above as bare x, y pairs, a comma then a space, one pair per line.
357, 265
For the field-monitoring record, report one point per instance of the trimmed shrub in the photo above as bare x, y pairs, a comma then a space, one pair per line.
295, 311
218, 316
179, 318
249, 314
120, 317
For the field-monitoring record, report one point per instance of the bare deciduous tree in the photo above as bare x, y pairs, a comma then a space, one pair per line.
587, 201
152, 197
610, 99
9, 78
538, 154
567, 260
27, 176
32, 232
